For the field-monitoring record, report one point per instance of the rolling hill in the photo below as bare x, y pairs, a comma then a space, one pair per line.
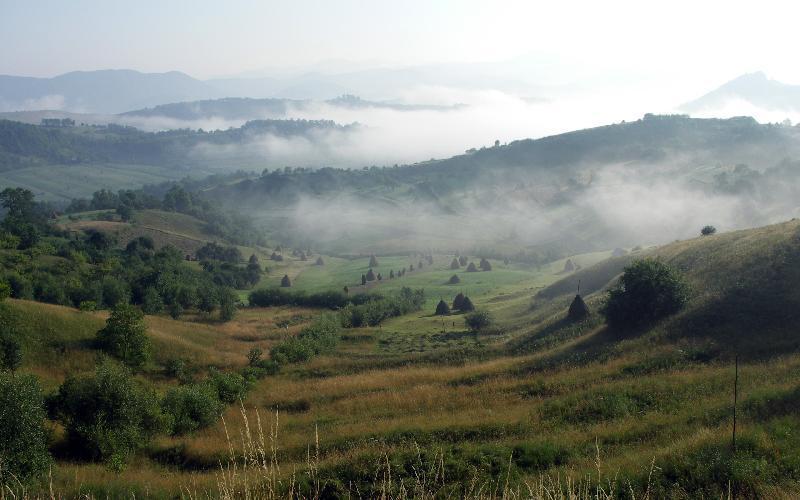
649, 410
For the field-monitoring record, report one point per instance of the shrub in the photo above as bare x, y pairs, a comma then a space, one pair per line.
478, 320
87, 305
23, 440
192, 407
227, 304
5, 290
230, 387
647, 290
125, 336
708, 230
107, 416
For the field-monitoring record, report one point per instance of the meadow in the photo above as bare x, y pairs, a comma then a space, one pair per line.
537, 401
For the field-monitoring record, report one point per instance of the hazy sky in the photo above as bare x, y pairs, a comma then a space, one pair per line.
704, 41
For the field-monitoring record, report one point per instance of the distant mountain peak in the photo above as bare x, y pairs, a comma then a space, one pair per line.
754, 88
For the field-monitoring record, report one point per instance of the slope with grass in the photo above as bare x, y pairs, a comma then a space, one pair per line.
642, 411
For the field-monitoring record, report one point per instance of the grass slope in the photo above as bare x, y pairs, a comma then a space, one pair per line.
650, 408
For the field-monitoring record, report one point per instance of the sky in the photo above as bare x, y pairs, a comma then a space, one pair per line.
704, 43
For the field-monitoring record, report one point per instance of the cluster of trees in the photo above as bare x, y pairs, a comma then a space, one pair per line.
378, 308
229, 225
87, 270
648, 290
109, 415
354, 310
223, 264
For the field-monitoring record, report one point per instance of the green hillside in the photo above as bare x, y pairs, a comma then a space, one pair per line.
644, 410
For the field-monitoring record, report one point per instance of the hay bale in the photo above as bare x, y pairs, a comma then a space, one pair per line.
569, 266
578, 310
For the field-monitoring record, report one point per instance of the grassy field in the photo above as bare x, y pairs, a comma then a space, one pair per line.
646, 412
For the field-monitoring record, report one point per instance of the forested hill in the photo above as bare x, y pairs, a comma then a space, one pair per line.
23, 145
654, 144
229, 108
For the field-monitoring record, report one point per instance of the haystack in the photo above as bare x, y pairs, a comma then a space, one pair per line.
578, 310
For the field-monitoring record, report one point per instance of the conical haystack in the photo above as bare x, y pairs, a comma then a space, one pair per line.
578, 309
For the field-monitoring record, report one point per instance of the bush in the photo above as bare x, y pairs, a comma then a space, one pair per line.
647, 290
23, 440
125, 336
230, 387
107, 416
708, 230
192, 407
87, 305
227, 304
478, 320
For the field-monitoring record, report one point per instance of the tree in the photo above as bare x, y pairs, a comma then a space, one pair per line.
373, 261
478, 320
370, 275
285, 281
442, 309
23, 437
454, 280
466, 305
708, 230
152, 303
115, 291
175, 310
192, 407
207, 299
458, 301
125, 336
455, 264
485, 265
227, 304
10, 342
108, 416
648, 290
471, 268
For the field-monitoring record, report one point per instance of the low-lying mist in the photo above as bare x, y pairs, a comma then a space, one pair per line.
606, 206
